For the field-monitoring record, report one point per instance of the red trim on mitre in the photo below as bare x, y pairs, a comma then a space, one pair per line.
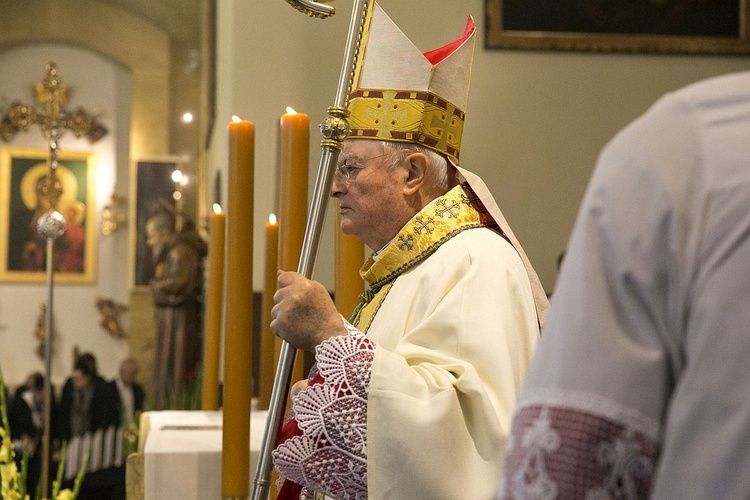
437, 55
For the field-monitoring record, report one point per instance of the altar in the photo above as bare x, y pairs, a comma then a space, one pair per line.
179, 455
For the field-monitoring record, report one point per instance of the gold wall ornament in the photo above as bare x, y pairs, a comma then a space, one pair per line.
114, 214
52, 116
110, 311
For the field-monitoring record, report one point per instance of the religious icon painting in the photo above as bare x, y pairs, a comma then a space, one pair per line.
24, 198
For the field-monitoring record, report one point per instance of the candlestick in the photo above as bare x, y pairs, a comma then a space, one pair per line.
268, 340
215, 294
295, 146
235, 463
348, 260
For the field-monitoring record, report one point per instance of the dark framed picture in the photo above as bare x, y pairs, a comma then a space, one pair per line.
668, 26
23, 250
157, 198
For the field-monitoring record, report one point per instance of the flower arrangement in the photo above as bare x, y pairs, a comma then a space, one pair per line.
130, 436
14, 481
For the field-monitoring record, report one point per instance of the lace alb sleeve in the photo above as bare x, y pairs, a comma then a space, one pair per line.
331, 454
558, 452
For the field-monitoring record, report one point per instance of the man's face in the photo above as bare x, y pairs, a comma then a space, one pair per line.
79, 379
371, 203
128, 372
155, 238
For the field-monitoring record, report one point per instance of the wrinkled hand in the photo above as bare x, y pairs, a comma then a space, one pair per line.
298, 387
304, 314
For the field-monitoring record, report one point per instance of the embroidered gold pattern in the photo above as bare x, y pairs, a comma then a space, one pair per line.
407, 116
453, 212
424, 224
452, 209
405, 242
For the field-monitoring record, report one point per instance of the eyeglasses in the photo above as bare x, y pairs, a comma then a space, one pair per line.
349, 167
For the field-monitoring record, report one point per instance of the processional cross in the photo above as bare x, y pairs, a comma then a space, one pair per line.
53, 120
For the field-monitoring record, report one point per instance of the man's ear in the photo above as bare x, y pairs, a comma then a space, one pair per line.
416, 165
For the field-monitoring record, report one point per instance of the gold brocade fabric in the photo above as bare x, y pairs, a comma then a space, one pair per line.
407, 116
435, 224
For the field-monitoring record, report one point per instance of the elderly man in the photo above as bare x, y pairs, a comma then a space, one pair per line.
130, 391
412, 397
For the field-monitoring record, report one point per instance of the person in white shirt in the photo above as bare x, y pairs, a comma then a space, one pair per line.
130, 392
639, 387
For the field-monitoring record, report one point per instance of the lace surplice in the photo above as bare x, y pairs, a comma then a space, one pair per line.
331, 453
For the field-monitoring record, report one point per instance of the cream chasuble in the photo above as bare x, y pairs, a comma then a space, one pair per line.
450, 326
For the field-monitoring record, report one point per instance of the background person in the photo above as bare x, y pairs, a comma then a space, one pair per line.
131, 394
90, 416
26, 420
639, 388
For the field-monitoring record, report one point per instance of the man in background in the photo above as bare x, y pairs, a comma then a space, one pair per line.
26, 419
130, 392
639, 387
89, 421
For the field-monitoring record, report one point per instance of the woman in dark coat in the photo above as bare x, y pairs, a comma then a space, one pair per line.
89, 416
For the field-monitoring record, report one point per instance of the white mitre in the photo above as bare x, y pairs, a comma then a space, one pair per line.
401, 94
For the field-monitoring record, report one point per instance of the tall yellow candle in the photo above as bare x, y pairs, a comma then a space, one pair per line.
235, 463
214, 302
294, 158
268, 340
348, 260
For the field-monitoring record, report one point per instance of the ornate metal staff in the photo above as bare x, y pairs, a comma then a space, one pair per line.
53, 120
334, 129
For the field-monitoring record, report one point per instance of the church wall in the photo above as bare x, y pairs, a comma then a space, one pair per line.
536, 121
153, 64
102, 88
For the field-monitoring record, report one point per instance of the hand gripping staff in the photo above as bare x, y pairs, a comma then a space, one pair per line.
334, 129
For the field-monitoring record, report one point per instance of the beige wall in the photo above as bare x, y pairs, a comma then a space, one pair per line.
115, 34
536, 121
90, 41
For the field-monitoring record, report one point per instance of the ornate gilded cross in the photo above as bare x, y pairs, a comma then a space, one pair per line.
53, 120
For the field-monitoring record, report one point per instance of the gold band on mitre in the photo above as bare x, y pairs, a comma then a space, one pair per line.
407, 116
401, 94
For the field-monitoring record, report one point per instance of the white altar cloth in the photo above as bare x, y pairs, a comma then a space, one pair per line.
182, 453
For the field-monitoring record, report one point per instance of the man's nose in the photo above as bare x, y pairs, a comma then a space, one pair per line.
338, 186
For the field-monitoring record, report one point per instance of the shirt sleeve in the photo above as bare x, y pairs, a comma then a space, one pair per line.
615, 386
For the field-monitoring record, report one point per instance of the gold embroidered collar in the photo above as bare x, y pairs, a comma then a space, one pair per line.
436, 223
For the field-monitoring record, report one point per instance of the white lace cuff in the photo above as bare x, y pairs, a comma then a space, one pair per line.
331, 454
